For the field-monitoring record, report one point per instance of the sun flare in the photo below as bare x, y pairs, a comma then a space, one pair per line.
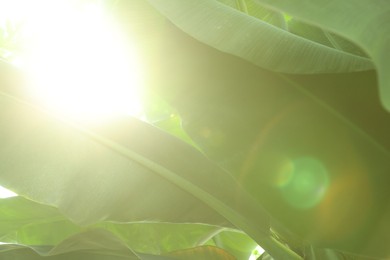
5, 193
79, 63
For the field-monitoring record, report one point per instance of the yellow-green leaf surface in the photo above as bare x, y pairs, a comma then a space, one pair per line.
255, 40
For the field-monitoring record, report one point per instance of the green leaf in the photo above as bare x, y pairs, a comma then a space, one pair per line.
162, 238
126, 170
96, 244
363, 22
17, 212
35, 225
254, 40
59, 165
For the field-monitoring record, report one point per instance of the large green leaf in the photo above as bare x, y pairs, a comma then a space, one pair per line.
125, 170
255, 40
50, 162
259, 125
364, 22
54, 163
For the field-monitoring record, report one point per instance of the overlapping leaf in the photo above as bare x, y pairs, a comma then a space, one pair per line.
265, 45
363, 22
42, 228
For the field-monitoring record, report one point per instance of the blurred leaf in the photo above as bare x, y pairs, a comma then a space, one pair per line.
255, 123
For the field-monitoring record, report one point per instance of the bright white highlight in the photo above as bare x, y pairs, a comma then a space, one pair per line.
79, 63
258, 251
4, 193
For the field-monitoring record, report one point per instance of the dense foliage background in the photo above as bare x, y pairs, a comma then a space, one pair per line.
265, 123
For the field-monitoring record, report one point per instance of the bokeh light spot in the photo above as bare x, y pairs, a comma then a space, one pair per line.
303, 182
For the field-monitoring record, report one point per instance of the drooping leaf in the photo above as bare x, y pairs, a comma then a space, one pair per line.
254, 40
366, 23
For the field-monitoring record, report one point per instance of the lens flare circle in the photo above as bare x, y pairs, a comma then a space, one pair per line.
303, 182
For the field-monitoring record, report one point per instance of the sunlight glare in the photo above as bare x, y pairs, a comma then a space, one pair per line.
80, 65
5, 193
256, 253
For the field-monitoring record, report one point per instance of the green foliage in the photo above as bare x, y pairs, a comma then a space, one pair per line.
269, 151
